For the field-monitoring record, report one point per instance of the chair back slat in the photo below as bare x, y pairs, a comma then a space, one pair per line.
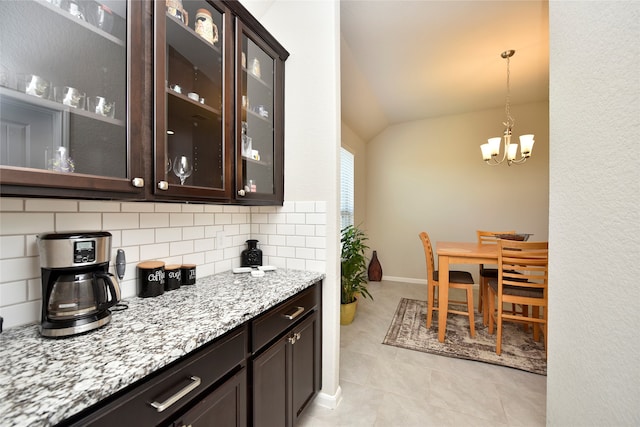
523, 264
428, 252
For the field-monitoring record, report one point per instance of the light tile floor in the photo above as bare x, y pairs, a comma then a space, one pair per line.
390, 386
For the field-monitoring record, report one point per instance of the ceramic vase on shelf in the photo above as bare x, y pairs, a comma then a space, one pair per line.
375, 269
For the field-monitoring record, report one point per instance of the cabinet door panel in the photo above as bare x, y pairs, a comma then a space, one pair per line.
305, 362
270, 387
259, 120
192, 82
225, 406
64, 94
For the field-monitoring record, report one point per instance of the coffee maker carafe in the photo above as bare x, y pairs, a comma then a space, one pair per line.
77, 288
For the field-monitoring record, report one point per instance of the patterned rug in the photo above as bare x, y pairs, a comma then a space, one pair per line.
519, 350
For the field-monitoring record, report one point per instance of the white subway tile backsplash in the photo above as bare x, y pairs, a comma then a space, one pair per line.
139, 237
223, 219
120, 221
315, 242
268, 228
259, 218
304, 230
12, 246
316, 218
305, 253
8, 204
277, 240
295, 218
180, 219
167, 207
136, 207
154, 220
191, 233
295, 241
278, 218
98, 206
291, 236
78, 221
305, 207
13, 292
50, 205
188, 207
13, 269
286, 229
34, 289
156, 251
203, 219
12, 223
181, 248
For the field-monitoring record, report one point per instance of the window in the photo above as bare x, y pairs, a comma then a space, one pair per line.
346, 188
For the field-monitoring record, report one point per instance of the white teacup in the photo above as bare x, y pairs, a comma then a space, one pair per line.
69, 96
100, 105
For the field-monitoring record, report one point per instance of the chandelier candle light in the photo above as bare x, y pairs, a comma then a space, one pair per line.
491, 149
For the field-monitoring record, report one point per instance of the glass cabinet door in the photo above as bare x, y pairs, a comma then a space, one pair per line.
191, 94
259, 111
64, 94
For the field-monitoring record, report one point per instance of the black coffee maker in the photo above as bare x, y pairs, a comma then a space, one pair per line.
77, 288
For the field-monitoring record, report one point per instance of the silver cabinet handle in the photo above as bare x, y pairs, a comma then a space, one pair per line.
298, 312
138, 182
163, 185
195, 382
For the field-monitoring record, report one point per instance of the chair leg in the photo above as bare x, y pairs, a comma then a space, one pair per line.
490, 309
470, 308
485, 301
499, 329
430, 302
535, 313
481, 291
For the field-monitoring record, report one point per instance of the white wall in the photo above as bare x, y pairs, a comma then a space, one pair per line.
310, 31
594, 226
429, 176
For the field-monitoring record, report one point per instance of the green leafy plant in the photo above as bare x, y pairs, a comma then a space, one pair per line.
353, 264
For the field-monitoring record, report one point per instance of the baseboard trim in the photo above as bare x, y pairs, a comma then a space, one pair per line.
405, 280
329, 401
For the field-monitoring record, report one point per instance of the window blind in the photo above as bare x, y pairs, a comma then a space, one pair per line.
346, 188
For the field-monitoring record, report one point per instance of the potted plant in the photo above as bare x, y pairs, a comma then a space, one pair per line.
353, 272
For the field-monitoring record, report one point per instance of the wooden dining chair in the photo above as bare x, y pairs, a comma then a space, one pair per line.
486, 237
457, 280
522, 279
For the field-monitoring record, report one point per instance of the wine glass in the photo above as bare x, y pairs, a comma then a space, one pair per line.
182, 168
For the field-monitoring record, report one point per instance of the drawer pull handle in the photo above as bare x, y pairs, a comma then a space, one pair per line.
298, 312
179, 395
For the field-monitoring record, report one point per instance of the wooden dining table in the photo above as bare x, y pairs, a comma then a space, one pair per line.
458, 253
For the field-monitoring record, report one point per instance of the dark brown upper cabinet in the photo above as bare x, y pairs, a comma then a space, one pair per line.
259, 117
179, 100
193, 85
68, 127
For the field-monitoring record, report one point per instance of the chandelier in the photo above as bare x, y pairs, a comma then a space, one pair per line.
491, 150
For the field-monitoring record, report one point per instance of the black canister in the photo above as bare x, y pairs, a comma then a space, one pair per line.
173, 278
150, 279
252, 256
188, 272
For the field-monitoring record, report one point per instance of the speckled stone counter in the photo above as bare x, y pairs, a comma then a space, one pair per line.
44, 380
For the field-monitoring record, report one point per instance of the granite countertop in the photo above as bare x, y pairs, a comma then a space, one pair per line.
46, 380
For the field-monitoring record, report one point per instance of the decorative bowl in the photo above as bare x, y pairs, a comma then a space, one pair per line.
521, 237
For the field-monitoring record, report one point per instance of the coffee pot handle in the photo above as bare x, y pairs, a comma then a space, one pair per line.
114, 289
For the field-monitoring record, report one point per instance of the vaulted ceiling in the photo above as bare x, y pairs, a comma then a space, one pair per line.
407, 60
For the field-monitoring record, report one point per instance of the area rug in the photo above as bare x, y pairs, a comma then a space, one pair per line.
519, 350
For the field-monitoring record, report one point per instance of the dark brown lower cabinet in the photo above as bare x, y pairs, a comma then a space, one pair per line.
286, 373
225, 406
